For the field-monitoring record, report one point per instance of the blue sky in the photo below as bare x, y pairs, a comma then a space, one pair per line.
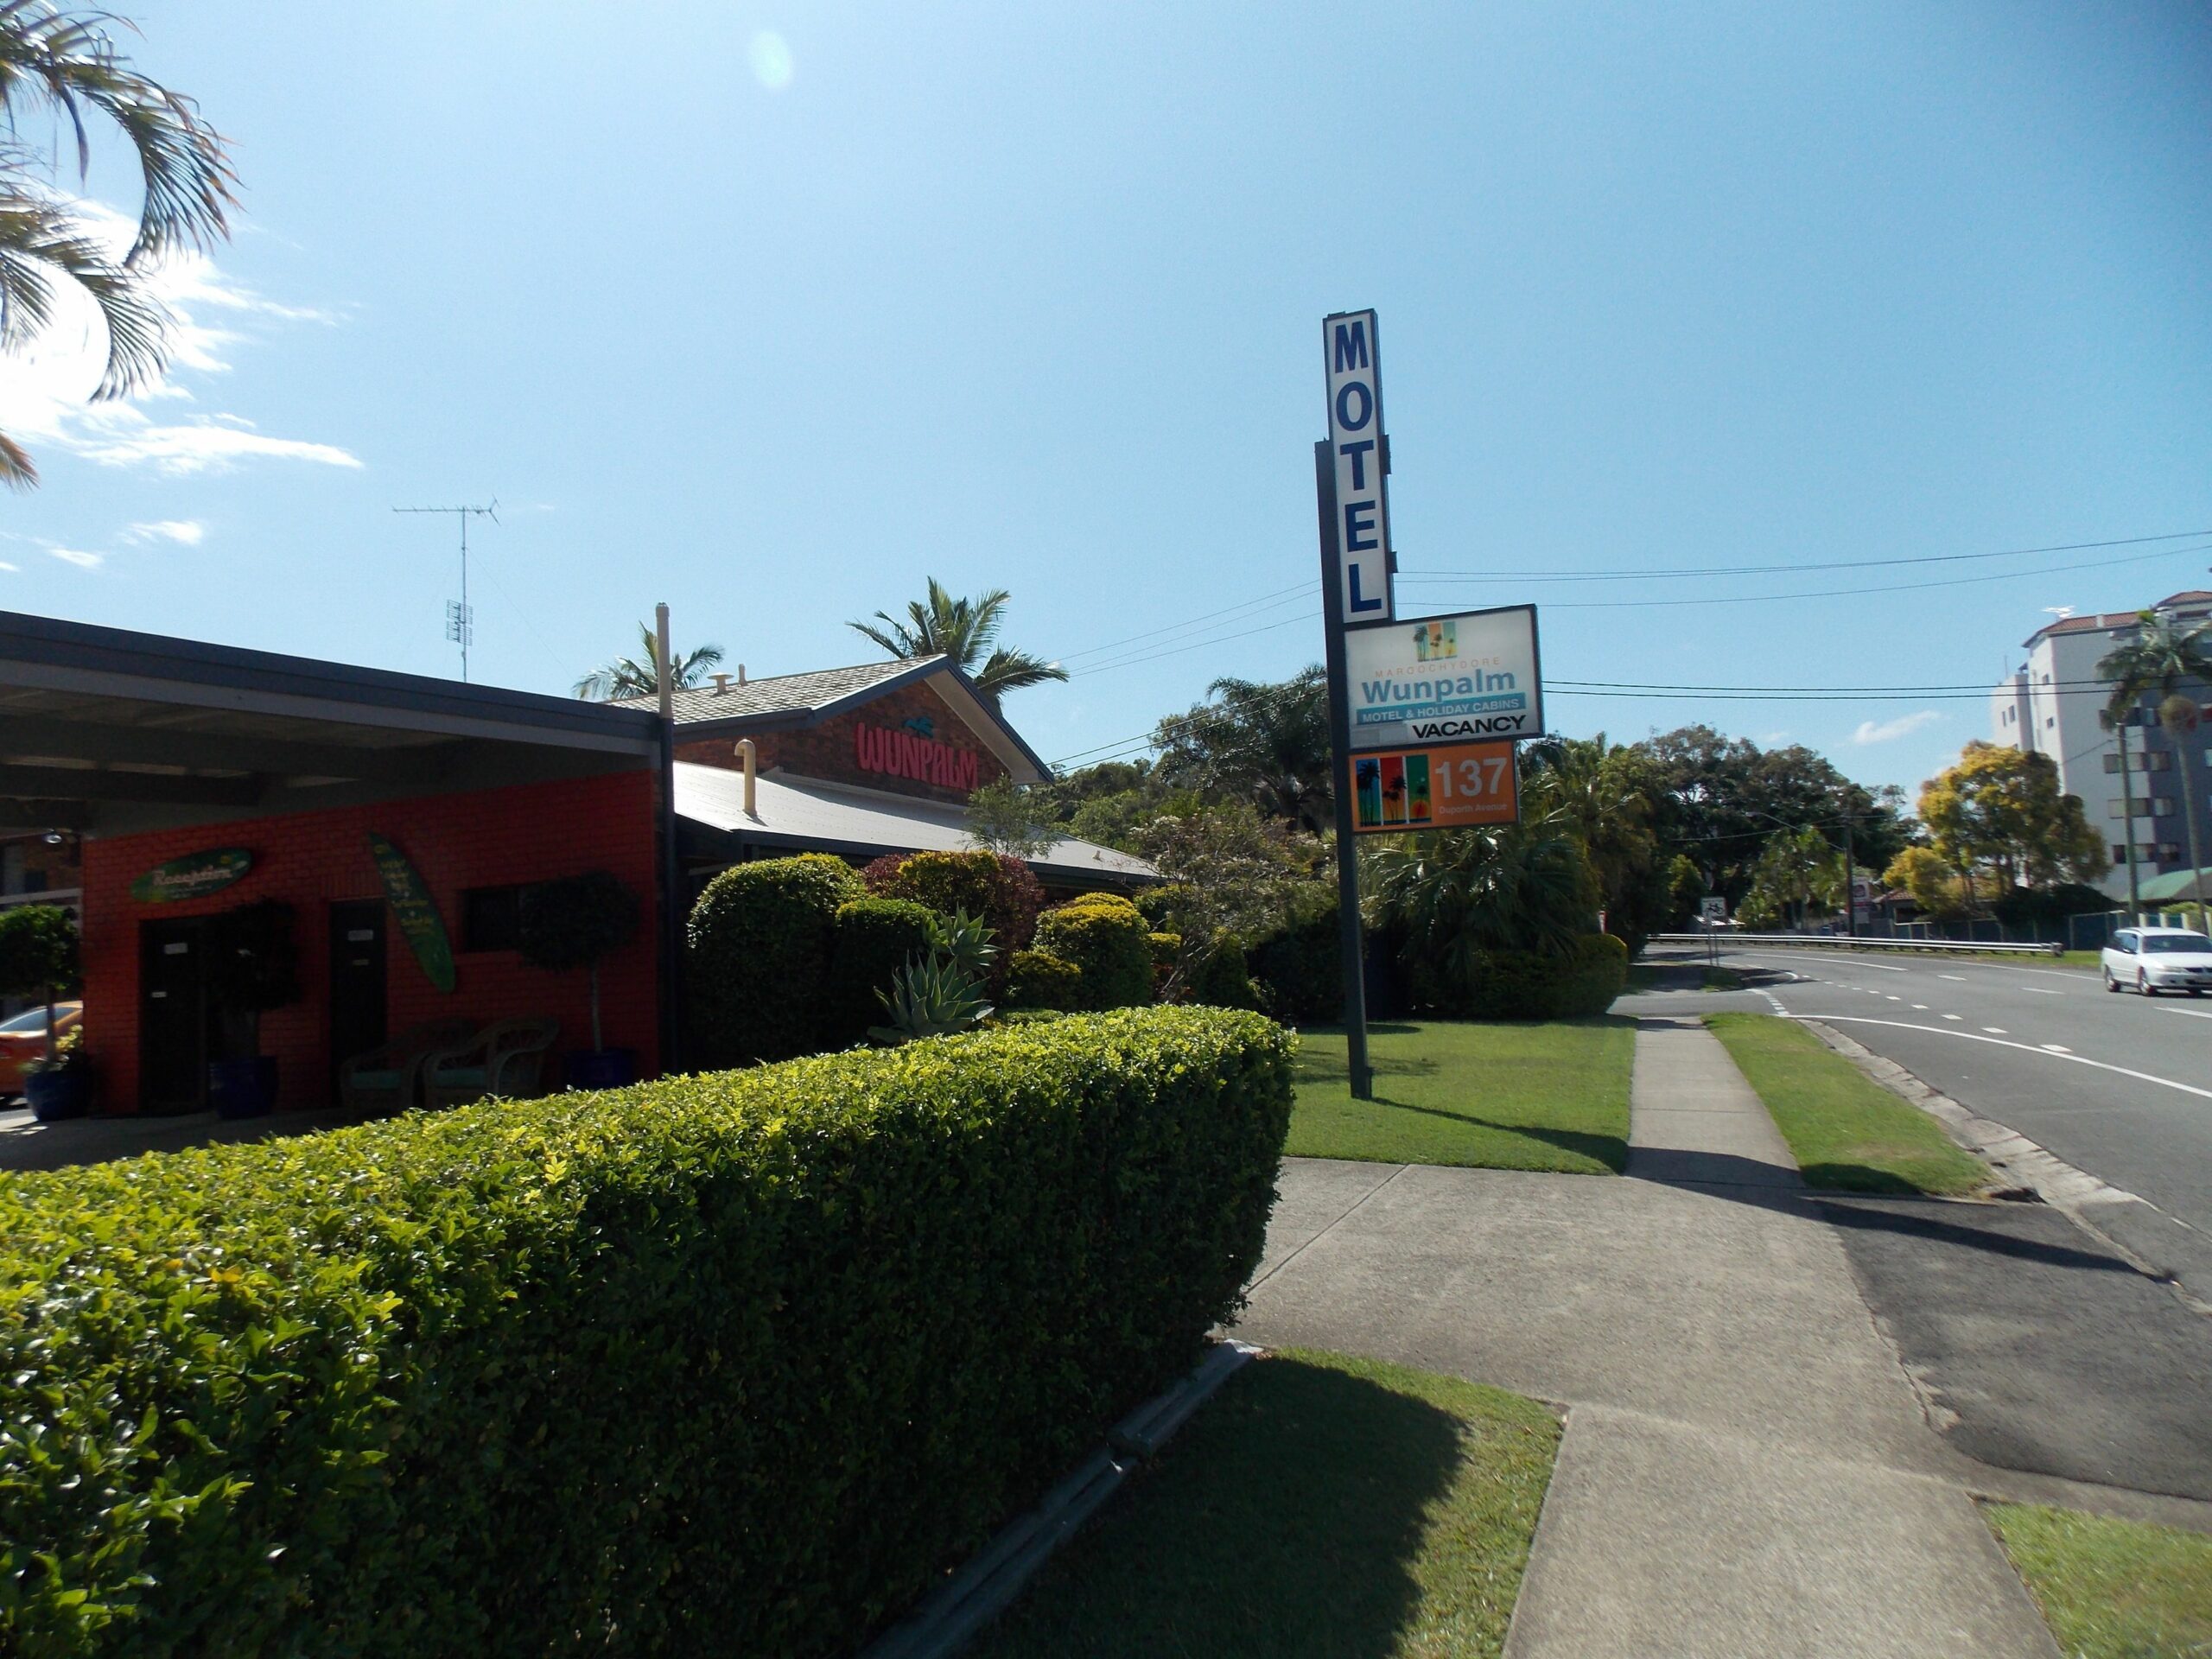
771, 311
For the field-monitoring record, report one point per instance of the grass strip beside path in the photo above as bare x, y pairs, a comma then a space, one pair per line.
1321, 1505
1496, 1097
2112, 1589
1848, 1132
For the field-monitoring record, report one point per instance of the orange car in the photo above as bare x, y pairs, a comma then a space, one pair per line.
23, 1038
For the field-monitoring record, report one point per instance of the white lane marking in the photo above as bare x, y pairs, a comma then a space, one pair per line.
1897, 999
2194, 1014
1921, 1007
1950, 1016
1976, 1037
2056, 1048
1960, 978
1999, 1031
2039, 990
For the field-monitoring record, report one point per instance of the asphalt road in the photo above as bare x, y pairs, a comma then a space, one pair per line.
2038, 1348
2118, 1085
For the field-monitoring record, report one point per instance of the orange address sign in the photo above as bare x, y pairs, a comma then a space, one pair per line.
1447, 786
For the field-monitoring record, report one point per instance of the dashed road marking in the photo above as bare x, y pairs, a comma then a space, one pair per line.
1996, 1031
2052, 1049
2056, 1048
1921, 1007
1950, 1016
1960, 978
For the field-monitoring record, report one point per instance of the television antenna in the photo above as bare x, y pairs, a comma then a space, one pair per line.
460, 619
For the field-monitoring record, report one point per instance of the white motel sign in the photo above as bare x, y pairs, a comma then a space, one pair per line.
1360, 452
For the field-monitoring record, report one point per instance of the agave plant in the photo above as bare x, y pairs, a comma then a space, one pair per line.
968, 940
931, 996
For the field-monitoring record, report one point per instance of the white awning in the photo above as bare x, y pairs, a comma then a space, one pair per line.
794, 814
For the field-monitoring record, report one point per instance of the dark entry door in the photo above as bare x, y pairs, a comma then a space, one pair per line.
171, 1018
357, 1004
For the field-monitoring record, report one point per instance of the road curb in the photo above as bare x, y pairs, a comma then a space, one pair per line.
983, 1589
2029, 1168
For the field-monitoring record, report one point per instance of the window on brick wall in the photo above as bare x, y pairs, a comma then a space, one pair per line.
491, 919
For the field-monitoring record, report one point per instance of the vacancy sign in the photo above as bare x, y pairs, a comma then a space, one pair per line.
1450, 786
1443, 679
1350, 351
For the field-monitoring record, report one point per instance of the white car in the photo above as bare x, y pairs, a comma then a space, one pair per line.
2154, 959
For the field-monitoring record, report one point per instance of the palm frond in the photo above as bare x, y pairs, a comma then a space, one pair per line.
41, 240
16, 469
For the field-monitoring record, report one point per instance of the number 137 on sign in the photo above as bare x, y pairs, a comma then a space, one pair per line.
1449, 787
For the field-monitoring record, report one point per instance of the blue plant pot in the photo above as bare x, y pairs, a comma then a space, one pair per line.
243, 1087
56, 1094
602, 1068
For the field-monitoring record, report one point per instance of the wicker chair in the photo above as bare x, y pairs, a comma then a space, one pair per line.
390, 1076
504, 1059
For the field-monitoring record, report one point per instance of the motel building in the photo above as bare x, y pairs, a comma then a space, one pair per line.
401, 817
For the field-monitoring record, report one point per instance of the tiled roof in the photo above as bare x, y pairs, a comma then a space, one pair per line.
784, 693
2111, 620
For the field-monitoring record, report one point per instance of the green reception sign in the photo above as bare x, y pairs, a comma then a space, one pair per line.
192, 876
415, 911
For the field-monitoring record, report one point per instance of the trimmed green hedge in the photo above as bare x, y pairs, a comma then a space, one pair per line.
875, 937
733, 1363
759, 961
1517, 985
996, 887
1106, 937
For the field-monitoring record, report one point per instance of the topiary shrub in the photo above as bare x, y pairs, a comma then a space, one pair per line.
758, 968
1105, 935
1166, 950
1035, 980
575, 921
732, 1363
996, 887
875, 937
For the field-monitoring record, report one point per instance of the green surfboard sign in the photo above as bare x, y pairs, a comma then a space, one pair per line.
192, 876
415, 911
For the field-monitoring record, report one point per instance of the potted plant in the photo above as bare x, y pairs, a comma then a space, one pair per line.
38, 957
60, 1084
571, 924
252, 968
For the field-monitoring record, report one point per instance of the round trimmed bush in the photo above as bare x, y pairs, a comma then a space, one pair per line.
1221, 980
761, 938
1037, 982
1106, 937
1302, 969
996, 887
875, 937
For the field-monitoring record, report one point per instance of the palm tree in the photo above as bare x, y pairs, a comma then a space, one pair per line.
2161, 658
66, 64
1268, 744
634, 677
964, 630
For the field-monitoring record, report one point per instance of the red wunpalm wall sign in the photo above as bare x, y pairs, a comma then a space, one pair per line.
909, 754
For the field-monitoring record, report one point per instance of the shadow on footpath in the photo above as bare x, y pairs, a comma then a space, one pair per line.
1285, 1520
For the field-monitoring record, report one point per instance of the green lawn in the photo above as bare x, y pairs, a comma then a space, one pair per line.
1848, 1132
1321, 1506
1504, 1096
2112, 1589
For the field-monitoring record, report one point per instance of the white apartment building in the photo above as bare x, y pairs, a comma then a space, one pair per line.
2050, 705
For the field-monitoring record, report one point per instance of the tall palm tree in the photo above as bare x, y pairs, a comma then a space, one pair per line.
66, 64
634, 677
2161, 658
967, 631
1266, 743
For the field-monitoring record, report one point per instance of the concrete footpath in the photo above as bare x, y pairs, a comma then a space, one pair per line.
1746, 1471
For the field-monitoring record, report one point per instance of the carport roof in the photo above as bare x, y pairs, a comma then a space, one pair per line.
108, 731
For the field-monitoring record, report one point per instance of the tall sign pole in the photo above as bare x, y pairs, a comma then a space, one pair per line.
1356, 565
1351, 944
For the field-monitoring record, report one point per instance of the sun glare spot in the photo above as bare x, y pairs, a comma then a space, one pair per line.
770, 57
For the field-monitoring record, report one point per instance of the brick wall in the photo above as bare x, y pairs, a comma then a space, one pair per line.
827, 750
486, 838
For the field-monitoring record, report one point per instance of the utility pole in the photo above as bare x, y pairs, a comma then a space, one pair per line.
1850, 884
461, 621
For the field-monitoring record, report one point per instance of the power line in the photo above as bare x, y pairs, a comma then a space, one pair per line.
1840, 592
1774, 569
1264, 602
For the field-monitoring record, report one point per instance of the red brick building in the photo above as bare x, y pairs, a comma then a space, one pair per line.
400, 819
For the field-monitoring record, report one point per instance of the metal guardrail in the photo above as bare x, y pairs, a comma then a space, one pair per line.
1844, 942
